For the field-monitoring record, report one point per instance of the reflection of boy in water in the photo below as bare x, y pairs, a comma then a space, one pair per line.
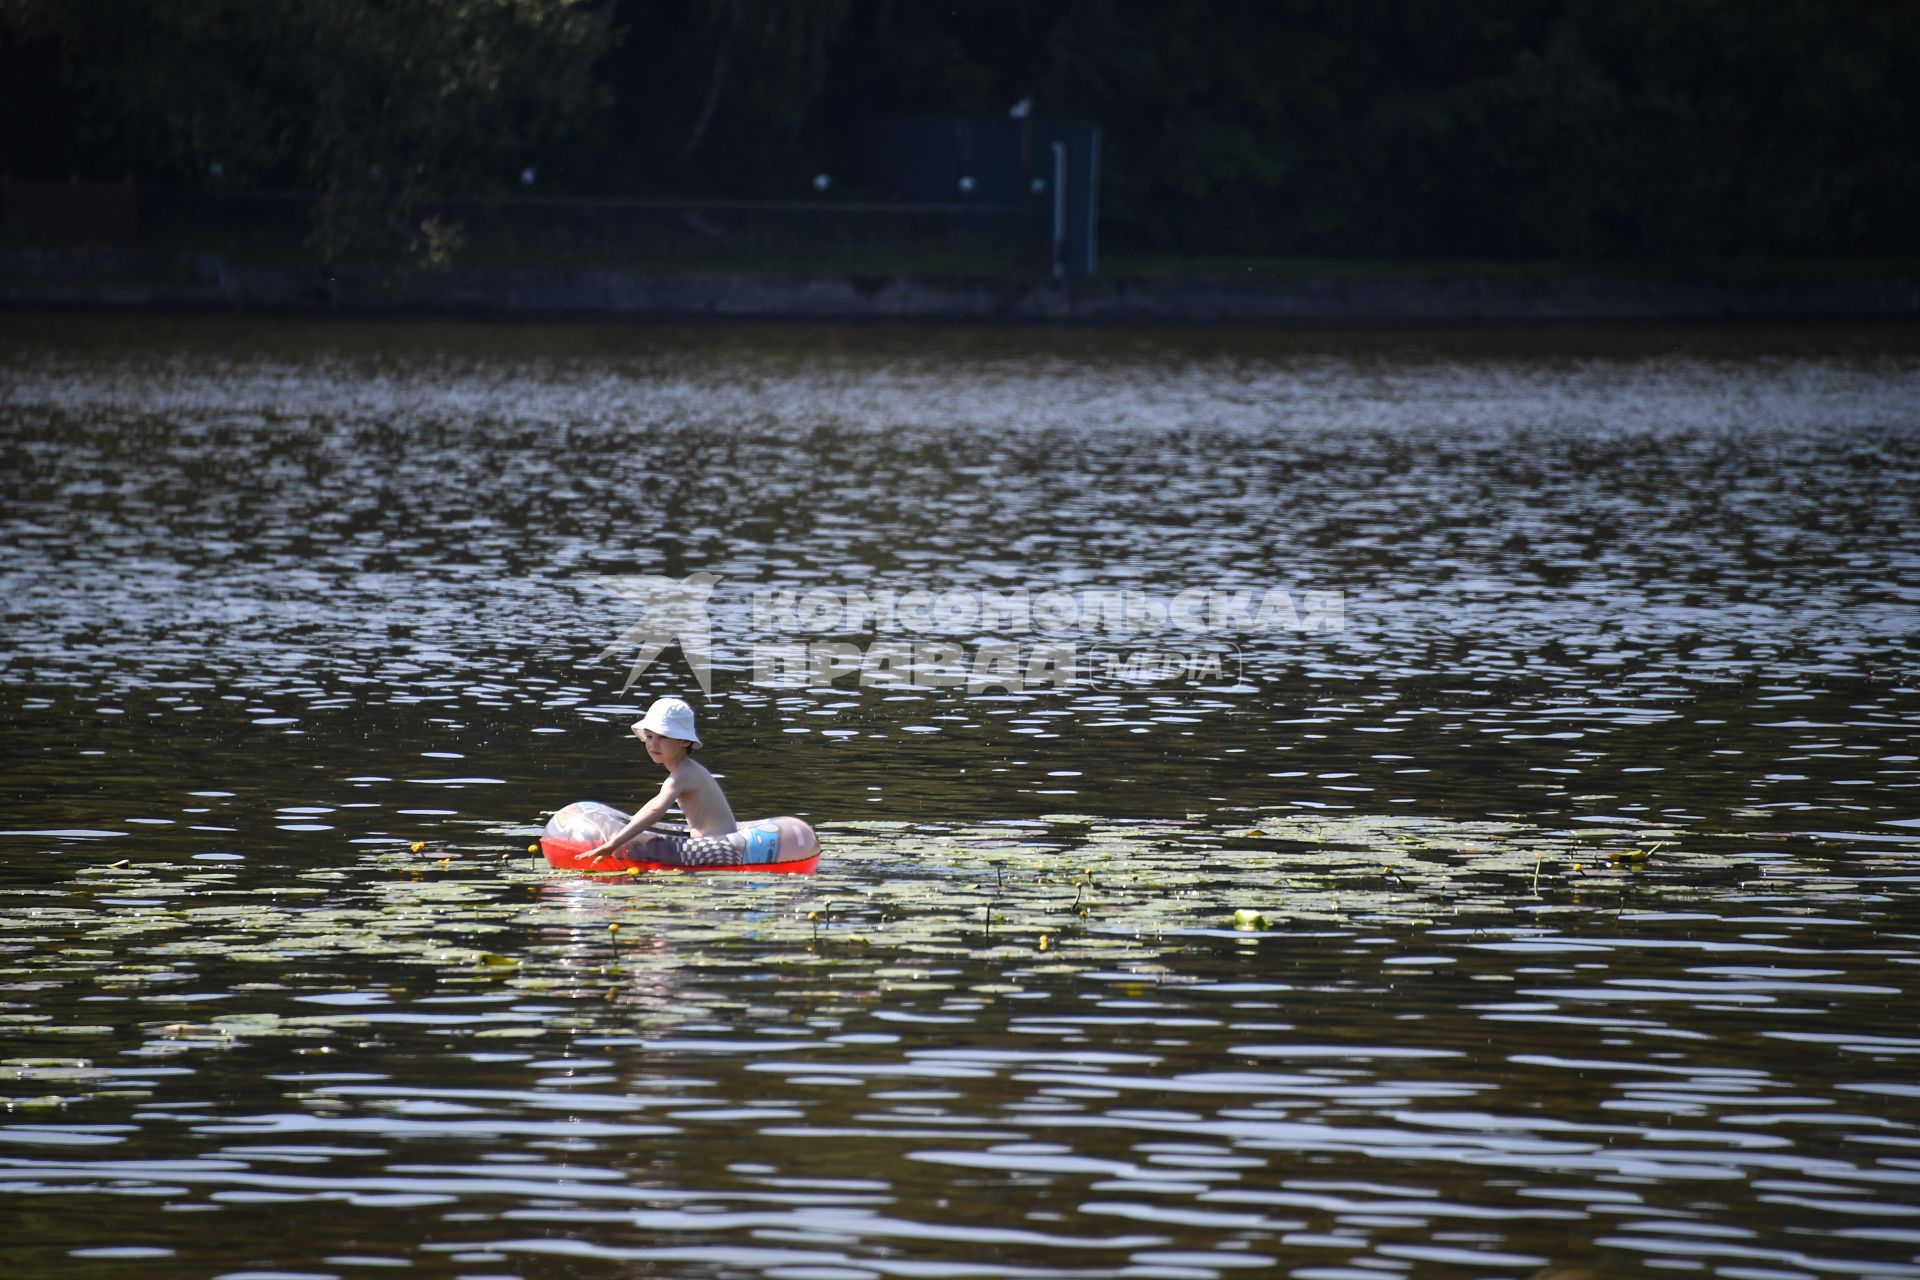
711, 837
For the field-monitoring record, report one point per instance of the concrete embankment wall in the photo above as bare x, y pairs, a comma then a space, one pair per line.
40, 281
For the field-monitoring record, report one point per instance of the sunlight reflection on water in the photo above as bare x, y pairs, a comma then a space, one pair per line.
283, 600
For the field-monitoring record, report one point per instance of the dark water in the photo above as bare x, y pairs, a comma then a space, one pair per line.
1576, 873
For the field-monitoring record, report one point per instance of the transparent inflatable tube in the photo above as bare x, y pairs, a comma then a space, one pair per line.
587, 824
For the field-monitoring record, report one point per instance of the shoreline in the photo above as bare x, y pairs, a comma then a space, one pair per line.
40, 281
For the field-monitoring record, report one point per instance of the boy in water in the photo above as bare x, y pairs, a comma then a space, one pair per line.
711, 837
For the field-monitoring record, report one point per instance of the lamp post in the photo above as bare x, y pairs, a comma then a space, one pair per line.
1030, 185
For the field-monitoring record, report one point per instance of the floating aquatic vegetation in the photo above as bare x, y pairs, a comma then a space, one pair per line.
893, 906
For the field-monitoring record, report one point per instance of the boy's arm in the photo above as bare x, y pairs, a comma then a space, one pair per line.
650, 812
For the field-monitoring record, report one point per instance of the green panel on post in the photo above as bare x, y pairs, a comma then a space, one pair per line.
997, 175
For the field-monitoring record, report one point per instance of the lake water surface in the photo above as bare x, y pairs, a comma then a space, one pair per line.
1556, 914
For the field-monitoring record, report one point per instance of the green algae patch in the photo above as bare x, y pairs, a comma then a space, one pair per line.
895, 909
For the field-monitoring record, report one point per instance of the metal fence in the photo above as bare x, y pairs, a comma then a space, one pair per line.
548, 231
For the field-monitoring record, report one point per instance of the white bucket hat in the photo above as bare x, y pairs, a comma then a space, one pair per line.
670, 718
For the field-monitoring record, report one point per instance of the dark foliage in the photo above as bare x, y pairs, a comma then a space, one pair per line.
1574, 129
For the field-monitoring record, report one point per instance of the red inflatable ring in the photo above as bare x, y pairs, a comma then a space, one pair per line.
785, 845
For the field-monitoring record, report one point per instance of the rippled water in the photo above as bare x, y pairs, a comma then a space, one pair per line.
1556, 915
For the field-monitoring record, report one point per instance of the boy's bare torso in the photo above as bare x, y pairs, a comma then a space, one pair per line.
702, 803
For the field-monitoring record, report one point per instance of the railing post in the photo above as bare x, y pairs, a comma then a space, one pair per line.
1059, 211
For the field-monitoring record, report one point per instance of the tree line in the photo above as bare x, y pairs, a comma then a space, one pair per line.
1581, 130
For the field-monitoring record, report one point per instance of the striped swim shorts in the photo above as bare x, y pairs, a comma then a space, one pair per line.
673, 847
